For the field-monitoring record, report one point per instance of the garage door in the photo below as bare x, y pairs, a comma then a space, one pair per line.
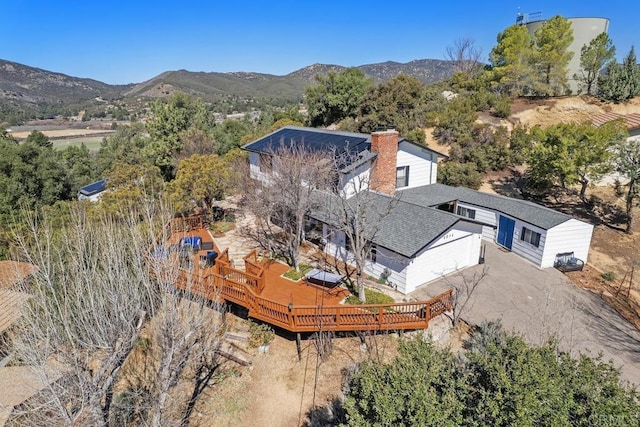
444, 259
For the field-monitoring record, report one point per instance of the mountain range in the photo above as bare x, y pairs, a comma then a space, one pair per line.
34, 89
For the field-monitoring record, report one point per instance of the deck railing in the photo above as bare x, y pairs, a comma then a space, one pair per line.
363, 317
229, 283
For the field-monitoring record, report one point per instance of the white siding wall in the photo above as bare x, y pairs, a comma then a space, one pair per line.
397, 264
92, 198
356, 180
484, 216
456, 249
423, 164
527, 250
570, 236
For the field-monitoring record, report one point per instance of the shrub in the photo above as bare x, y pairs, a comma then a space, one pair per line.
502, 107
459, 174
609, 276
261, 334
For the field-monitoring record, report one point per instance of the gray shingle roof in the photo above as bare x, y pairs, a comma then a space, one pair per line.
404, 228
532, 213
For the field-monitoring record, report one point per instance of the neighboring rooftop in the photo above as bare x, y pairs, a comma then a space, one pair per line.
94, 188
532, 213
14, 272
632, 121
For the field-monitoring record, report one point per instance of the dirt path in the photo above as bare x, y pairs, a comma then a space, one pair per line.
279, 390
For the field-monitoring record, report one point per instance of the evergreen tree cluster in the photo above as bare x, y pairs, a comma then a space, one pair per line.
499, 381
620, 82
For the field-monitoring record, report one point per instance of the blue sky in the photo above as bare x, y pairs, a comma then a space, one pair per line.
122, 42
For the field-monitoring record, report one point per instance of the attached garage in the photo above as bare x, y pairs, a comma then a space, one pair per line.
456, 249
413, 244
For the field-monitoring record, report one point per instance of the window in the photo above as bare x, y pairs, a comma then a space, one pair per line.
373, 254
402, 176
530, 236
265, 162
466, 212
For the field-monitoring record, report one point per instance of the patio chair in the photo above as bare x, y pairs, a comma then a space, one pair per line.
566, 261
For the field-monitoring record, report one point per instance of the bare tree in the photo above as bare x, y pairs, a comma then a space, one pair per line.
465, 55
357, 213
464, 287
103, 288
282, 200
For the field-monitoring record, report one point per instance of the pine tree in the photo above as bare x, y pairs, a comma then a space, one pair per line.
621, 81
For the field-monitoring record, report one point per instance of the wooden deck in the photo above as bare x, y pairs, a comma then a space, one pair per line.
294, 306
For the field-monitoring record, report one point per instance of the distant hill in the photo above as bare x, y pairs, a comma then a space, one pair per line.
24, 88
214, 86
32, 85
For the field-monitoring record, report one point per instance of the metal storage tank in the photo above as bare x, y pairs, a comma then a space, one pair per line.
584, 30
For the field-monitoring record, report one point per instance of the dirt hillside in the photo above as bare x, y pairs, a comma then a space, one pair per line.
565, 110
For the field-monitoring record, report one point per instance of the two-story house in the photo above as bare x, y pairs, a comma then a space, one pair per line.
431, 229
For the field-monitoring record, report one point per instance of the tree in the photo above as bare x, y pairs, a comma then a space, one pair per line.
459, 174
400, 101
627, 163
230, 134
40, 139
572, 153
514, 383
80, 166
632, 72
593, 58
282, 199
620, 82
335, 96
499, 381
455, 123
105, 326
421, 387
356, 213
511, 61
32, 174
465, 56
168, 121
552, 55
200, 180
129, 186
126, 145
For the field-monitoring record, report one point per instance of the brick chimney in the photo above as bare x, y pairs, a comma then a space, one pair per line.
383, 175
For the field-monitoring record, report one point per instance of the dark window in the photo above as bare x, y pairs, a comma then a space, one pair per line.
402, 176
373, 253
530, 236
466, 212
265, 162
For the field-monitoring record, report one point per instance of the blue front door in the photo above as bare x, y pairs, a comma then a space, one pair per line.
505, 231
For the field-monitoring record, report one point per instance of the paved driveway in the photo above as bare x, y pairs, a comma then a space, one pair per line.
539, 304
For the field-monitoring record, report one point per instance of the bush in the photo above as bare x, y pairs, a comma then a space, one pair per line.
459, 174
609, 276
261, 334
501, 107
